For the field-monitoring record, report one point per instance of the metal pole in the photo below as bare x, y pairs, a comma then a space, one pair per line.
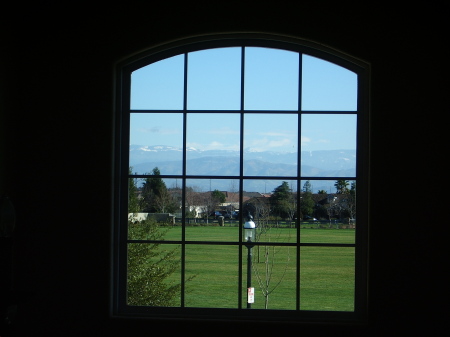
249, 273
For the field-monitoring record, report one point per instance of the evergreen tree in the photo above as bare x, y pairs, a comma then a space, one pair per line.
307, 187
307, 202
150, 267
341, 186
156, 197
283, 200
218, 197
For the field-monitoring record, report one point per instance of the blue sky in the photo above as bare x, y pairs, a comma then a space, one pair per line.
271, 83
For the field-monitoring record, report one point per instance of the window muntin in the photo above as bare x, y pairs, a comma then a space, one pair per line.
301, 247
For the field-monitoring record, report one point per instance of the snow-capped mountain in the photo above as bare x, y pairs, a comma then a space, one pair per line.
331, 163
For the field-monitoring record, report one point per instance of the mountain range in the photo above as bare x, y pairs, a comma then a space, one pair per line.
326, 163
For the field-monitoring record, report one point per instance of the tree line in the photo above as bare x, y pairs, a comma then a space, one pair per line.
282, 204
154, 197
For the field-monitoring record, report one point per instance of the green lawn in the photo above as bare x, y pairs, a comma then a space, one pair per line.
231, 234
326, 274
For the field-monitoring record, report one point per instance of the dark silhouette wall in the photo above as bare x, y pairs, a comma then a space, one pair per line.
56, 133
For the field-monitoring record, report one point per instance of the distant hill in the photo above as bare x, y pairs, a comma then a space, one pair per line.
331, 163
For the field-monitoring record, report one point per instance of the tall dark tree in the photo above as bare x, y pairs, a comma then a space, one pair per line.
283, 200
307, 187
218, 197
307, 202
156, 198
341, 186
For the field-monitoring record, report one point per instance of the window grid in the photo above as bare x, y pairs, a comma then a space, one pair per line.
124, 123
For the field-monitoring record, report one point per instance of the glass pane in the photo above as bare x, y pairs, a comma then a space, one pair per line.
274, 213
319, 186
214, 269
327, 86
213, 142
158, 195
159, 85
153, 274
273, 277
271, 145
214, 79
271, 79
156, 141
155, 204
328, 145
327, 278
212, 210
328, 217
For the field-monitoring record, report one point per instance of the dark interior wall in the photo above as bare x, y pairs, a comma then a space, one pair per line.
56, 104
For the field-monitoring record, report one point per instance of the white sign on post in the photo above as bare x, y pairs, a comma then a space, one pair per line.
251, 295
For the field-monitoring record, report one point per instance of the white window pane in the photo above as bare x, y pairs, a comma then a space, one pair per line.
159, 85
156, 140
327, 86
214, 79
271, 79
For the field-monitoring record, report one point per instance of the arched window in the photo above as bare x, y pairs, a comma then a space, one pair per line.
216, 133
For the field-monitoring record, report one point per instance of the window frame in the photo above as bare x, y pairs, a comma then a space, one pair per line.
123, 70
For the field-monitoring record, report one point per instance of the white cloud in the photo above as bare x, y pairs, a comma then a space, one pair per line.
273, 134
215, 145
279, 143
223, 131
267, 144
305, 140
157, 130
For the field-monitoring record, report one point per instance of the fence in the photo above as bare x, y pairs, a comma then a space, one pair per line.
338, 224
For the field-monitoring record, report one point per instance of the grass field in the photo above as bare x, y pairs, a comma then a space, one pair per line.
326, 273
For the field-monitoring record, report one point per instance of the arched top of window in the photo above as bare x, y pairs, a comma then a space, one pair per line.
245, 72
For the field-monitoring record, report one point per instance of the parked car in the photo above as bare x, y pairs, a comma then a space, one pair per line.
215, 214
232, 215
310, 218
